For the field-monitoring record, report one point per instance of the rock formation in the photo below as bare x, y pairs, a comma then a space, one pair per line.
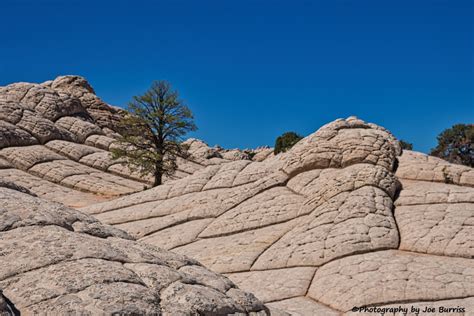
55, 139
340, 220
56, 260
344, 219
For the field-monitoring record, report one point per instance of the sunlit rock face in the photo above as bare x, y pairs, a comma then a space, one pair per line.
56, 260
342, 219
55, 139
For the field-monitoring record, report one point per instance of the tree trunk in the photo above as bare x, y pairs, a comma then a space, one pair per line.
158, 181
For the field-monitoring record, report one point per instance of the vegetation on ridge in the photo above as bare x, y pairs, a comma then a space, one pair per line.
456, 144
286, 141
152, 132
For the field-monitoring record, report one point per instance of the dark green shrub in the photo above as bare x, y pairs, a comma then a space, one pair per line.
456, 145
286, 141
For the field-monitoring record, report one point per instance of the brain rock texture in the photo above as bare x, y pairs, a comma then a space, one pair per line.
55, 139
343, 219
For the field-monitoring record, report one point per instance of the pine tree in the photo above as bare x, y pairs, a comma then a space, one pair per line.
152, 131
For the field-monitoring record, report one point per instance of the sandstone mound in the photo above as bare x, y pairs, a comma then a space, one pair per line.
55, 139
56, 261
340, 220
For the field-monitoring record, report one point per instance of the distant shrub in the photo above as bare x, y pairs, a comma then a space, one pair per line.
286, 141
406, 145
456, 145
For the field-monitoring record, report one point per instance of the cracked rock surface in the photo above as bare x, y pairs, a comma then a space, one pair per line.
342, 219
56, 260
60, 133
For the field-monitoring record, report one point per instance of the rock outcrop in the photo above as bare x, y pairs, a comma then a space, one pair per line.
56, 260
342, 219
55, 139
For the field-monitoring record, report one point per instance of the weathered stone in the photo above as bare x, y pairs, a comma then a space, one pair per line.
272, 206
49, 103
99, 141
10, 112
71, 150
11, 135
418, 166
103, 114
177, 235
4, 164
342, 143
27, 156
20, 210
436, 218
349, 223
99, 160
43, 129
235, 252
81, 177
79, 127
391, 276
158, 215
331, 204
302, 306
421, 192
262, 153
51, 191
247, 217
55, 260
273, 285
226, 175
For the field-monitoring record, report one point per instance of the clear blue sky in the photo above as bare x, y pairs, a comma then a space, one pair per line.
251, 70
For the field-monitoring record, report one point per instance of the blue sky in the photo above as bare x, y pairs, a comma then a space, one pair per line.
251, 70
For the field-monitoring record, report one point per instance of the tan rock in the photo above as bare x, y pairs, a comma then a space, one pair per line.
99, 141
418, 166
177, 235
235, 252
391, 276
71, 150
51, 191
274, 285
303, 306
55, 260
270, 207
26, 157
436, 218
79, 127
349, 223
11, 135
43, 129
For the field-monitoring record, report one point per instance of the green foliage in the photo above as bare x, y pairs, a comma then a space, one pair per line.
456, 145
286, 141
152, 132
406, 145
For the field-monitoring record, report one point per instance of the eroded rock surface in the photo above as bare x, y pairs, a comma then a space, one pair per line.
60, 133
56, 260
340, 220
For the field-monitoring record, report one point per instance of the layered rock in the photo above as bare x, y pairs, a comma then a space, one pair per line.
344, 219
56, 260
340, 220
60, 133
